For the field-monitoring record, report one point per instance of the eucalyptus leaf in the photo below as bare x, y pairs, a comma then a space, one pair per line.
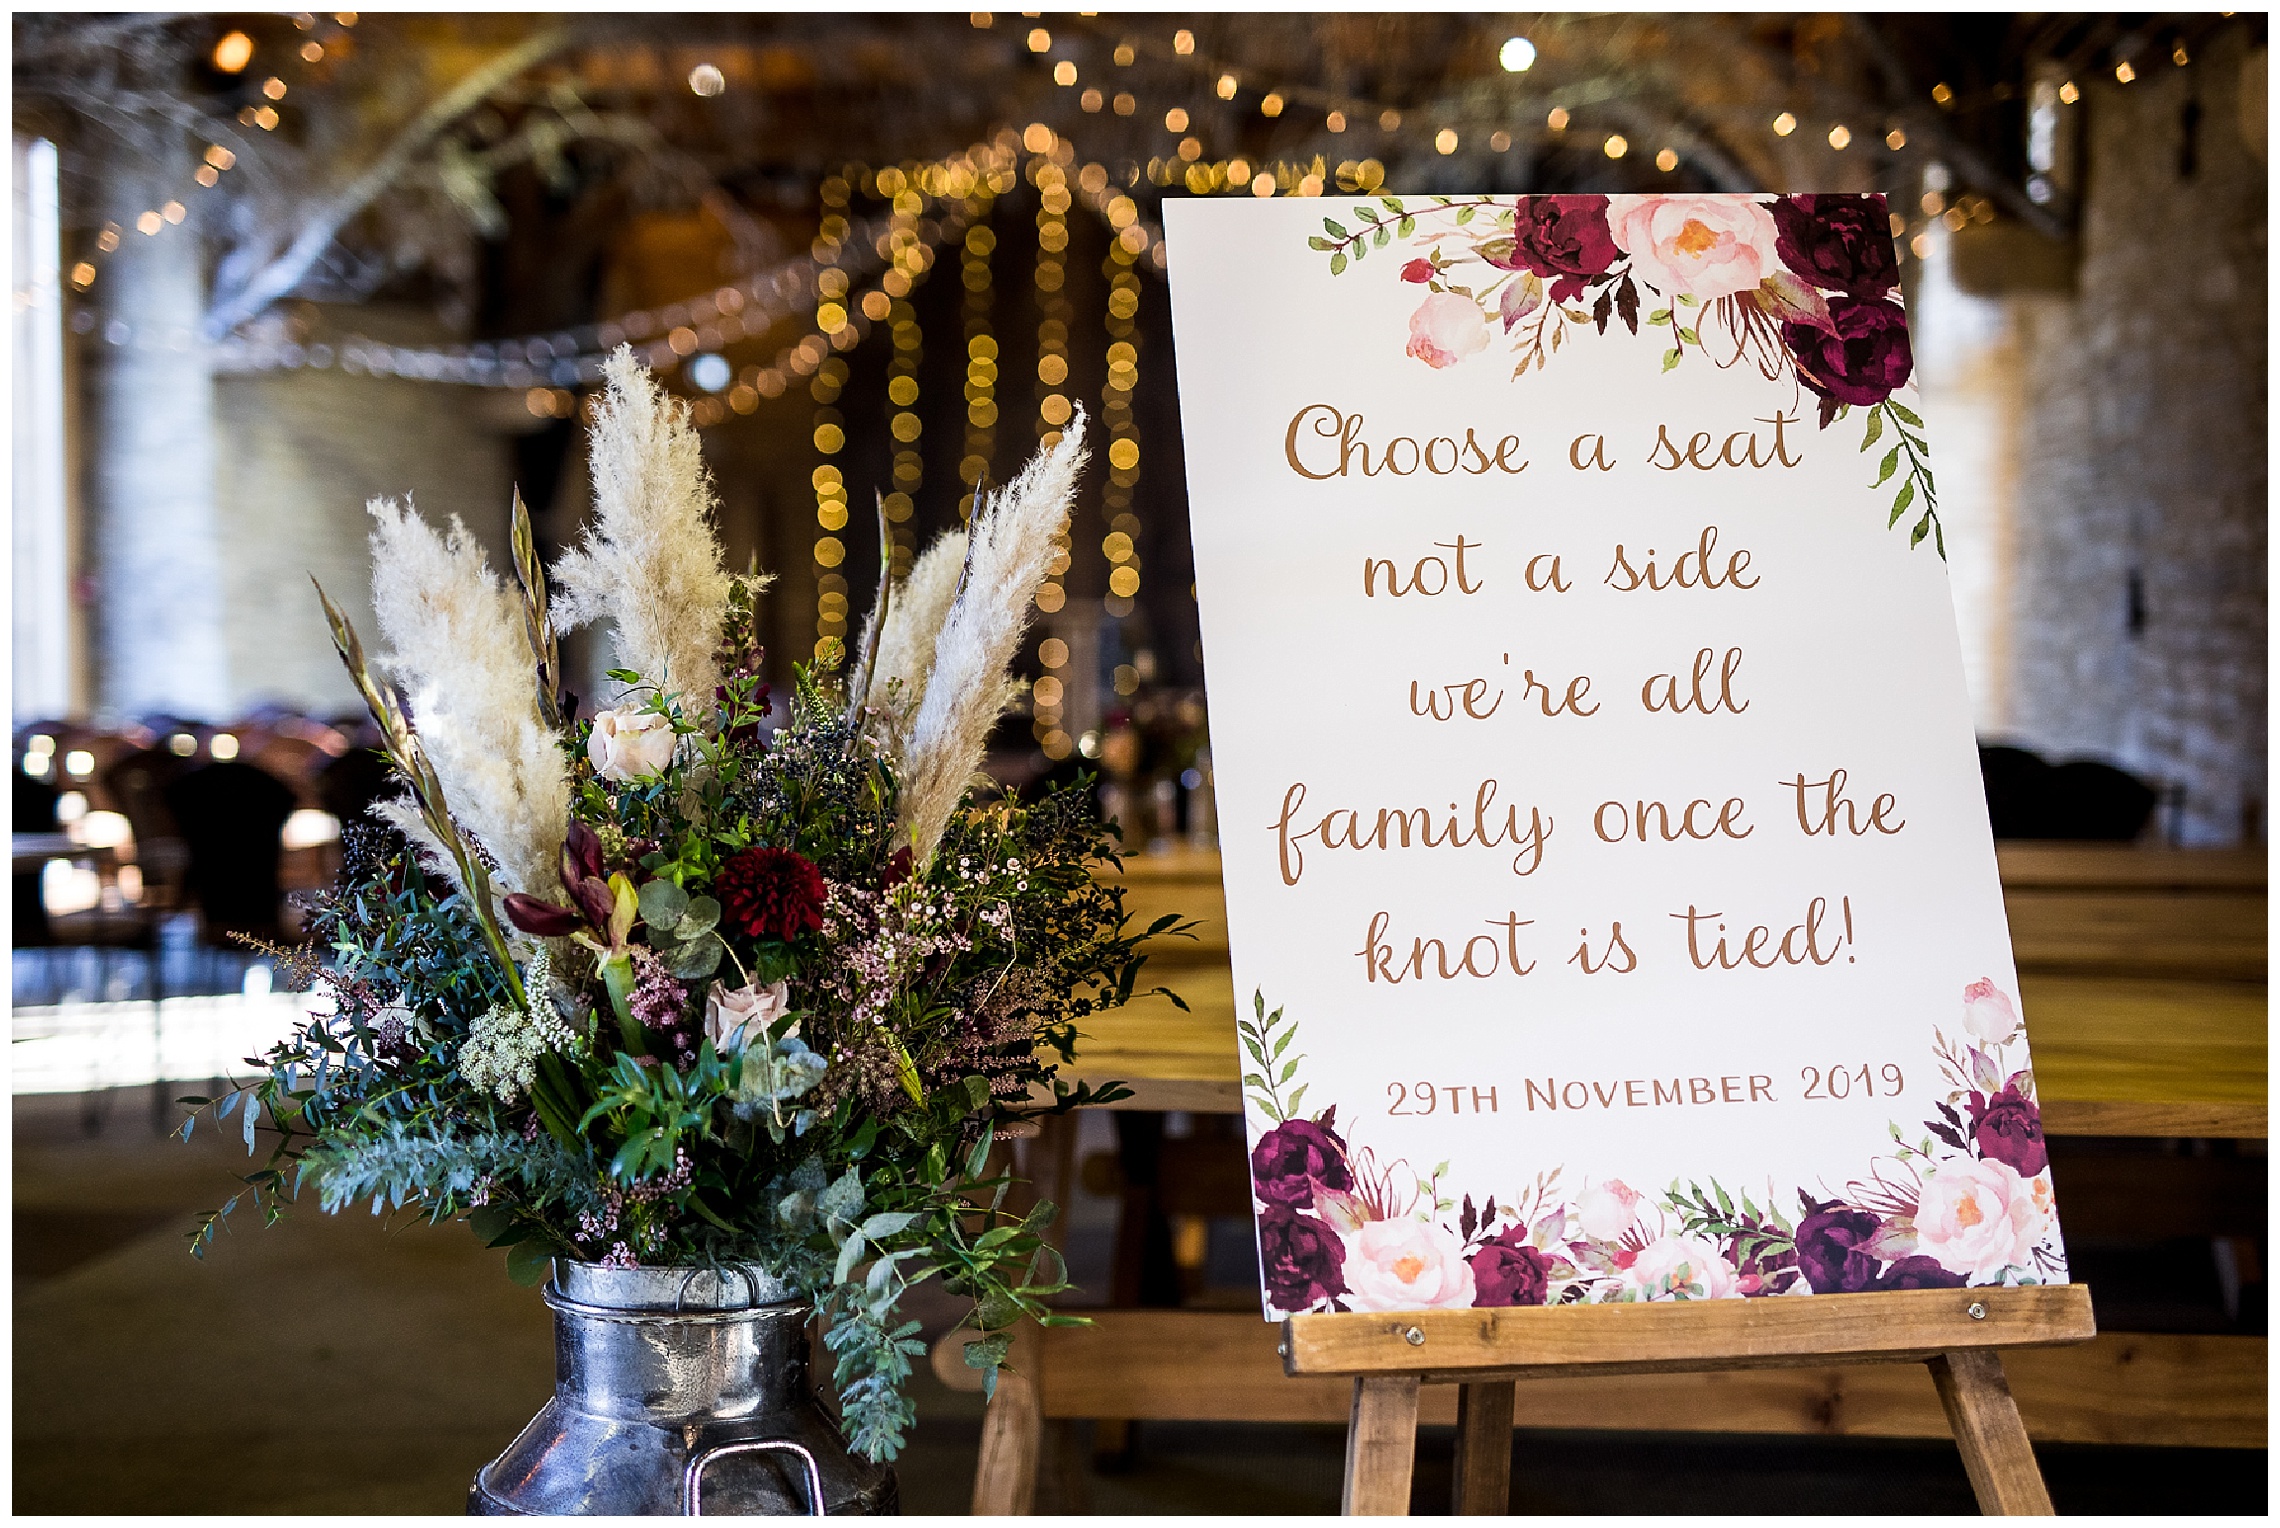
662, 904
702, 917
698, 958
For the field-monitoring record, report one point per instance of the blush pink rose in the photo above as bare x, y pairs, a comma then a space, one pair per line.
1445, 329
1695, 1269
1988, 1014
740, 1016
1695, 246
1607, 1210
1406, 1265
1978, 1218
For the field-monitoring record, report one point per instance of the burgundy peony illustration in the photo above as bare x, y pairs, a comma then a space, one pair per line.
1860, 358
1837, 243
1298, 1157
1301, 1259
1563, 239
1507, 1271
2009, 1130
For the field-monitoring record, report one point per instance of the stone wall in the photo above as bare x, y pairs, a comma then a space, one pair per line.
2137, 587
297, 454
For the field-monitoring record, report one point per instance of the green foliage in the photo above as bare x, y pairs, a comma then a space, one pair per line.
1916, 489
1264, 1048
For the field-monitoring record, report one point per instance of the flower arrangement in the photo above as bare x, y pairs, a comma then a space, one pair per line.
1804, 287
681, 980
1966, 1202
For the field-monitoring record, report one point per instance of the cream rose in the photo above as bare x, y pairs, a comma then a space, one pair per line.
1988, 1014
1695, 1269
1978, 1217
1607, 1210
1445, 329
1695, 246
630, 744
1406, 1265
739, 1016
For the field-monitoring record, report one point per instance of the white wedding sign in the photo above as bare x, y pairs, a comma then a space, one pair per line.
1603, 833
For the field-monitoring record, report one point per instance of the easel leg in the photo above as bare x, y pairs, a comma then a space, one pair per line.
1985, 1420
1484, 1450
1013, 1436
1013, 1429
1381, 1447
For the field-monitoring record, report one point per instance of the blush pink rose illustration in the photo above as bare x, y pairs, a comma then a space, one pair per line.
1445, 329
1695, 246
1406, 1265
1696, 1271
1988, 1014
1607, 1210
1980, 1217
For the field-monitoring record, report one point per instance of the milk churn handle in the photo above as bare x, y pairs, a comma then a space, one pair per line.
751, 1287
692, 1476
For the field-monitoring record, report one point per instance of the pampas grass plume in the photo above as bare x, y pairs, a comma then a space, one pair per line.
458, 647
650, 563
968, 683
906, 645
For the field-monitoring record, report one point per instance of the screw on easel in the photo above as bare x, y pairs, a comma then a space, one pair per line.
1415, 1337
1282, 1350
1976, 1311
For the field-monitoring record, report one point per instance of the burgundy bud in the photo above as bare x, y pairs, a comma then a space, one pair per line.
545, 919
582, 855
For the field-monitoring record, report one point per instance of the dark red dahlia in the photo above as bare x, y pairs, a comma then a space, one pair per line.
771, 893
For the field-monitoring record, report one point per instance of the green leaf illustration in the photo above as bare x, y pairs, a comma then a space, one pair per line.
1338, 264
1335, 231
1890, 466
1875, 429
1900, 504
1670, 359
1907, 415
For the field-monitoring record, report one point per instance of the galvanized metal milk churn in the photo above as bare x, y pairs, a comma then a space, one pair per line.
678, 1390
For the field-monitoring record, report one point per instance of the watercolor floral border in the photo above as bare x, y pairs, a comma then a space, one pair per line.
1965, 1201
1803, 287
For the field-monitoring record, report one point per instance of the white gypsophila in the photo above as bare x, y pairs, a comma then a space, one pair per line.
650, 563
457, 644
501, 1052
969, 683
906, 643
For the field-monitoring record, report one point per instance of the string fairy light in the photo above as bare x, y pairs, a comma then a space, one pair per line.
829, 433
981, 357
911, 260
1048, 154
1123, 453
231, 53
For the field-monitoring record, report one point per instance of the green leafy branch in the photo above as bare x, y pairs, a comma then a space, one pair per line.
1265, 1049
1909, 446
1379, 225
1755, 1233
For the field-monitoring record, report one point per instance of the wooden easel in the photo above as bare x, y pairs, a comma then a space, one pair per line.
1957, 1332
